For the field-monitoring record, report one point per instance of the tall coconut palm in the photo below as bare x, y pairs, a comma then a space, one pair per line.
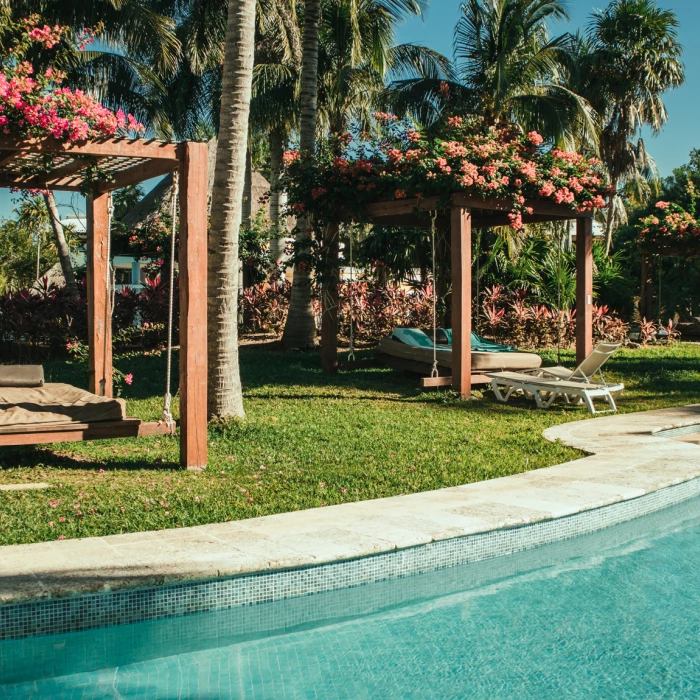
509, 68
634, 58
300, 329
224, 385
275, 102
347, 57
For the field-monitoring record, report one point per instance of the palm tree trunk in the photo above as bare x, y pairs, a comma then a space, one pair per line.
300, 329
61, 243
610, 219
225, 396
277, 198
248, 189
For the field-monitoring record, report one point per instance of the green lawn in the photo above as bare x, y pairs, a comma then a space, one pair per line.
309, 441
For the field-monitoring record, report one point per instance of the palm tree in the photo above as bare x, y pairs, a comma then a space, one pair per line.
634, 58
276, 76
61, 243
353, 52
507, 67
300, 328
224, 385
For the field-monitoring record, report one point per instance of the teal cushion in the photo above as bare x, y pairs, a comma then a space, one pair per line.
414, 337
480, 344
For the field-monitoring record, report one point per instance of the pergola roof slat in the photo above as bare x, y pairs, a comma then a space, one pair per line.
484, 208
127, 160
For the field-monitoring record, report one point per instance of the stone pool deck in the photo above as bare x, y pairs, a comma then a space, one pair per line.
626, 461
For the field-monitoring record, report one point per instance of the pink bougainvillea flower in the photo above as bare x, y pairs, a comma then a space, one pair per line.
61, 537
662, 205
129, 379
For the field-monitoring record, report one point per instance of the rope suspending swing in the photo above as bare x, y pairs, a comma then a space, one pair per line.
433, 216
110, 291
351, 350
167, 398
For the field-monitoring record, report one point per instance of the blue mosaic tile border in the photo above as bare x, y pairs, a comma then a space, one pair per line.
56, 616
678, 432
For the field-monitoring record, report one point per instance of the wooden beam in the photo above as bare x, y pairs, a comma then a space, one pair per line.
401, 207
461, 301
193, 305
645, 294
123, 147
78, 432
436, 382
37, 183
584, 288
503, 220
138, 173
98, 298
7, 156
330, 278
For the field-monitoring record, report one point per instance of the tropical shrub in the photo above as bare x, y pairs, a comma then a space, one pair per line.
671, 229
264, 306
46, 321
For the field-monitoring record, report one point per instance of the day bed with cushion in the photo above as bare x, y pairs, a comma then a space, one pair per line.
412, 348
33, 411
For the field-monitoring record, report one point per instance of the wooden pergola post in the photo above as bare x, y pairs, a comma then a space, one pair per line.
330, 299
584, 287
645, 290
193, 304
461, 244
98, 299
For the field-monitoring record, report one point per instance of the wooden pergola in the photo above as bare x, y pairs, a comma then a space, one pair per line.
130, 161
463, 213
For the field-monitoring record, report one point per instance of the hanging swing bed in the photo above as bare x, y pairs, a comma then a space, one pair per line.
460, 213
32, 412
430, 354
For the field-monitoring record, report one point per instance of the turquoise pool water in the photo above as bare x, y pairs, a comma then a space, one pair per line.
615, 614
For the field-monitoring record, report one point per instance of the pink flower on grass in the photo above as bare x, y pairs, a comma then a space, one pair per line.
61, 537
129, 379
53, 504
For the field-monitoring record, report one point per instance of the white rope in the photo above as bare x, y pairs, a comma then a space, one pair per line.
167, 399
434, 371
351, 352
109, 289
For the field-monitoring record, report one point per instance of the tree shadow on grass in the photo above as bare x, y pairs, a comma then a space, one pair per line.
29, 457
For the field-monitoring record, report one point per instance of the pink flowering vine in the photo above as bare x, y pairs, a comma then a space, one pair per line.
465, 155
37, 104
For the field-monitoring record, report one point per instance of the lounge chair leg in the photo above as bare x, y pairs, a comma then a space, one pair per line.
589, 403
497, 391
551, 399
611, 401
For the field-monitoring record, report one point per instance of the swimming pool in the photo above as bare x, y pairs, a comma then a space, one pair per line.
612, 614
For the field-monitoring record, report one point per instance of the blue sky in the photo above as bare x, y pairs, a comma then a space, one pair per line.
670, 149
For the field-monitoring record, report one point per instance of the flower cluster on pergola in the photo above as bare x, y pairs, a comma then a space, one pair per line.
462, 213
119, 162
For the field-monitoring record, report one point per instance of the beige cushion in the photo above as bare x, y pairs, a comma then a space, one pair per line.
56, 403
21, 375
481, 361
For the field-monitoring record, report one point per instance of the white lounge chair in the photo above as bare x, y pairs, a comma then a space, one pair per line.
547, 383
